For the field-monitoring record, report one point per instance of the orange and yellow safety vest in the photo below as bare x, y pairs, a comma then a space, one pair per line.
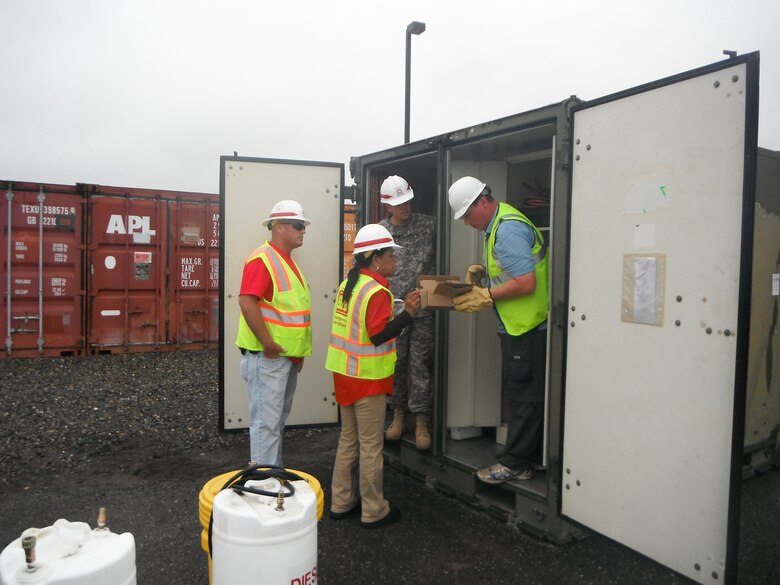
288, 315
350, 351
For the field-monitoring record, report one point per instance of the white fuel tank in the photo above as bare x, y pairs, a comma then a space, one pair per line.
253, 541
69, 553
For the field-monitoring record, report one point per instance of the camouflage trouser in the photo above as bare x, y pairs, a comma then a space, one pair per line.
412, 380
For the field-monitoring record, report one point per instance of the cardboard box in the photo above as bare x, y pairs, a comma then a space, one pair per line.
437, 292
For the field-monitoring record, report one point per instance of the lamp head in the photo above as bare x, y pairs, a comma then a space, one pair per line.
415, 28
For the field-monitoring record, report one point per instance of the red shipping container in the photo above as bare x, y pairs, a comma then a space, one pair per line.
126, 264
42, 280
194, 282
153, 269
94, 269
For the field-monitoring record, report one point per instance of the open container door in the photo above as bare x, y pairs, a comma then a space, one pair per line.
249, 187
659, 285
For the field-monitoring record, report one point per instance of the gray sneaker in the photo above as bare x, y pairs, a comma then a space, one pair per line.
499, 473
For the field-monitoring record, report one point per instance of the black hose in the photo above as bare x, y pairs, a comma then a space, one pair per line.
257, 473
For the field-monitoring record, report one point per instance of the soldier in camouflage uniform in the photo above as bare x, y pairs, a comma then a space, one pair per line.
416, 233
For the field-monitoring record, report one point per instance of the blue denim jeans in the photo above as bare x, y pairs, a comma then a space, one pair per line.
270, 385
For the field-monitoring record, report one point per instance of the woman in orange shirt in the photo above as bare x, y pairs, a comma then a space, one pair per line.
361, 355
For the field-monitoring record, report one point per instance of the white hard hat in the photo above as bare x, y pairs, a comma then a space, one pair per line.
373, 237
395, 190
286, 209
463, 193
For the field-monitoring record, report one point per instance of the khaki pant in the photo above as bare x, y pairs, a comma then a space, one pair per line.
359, 467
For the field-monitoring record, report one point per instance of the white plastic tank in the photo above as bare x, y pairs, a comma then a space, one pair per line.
254, 541
69, 553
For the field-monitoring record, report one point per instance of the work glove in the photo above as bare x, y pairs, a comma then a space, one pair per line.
475, 273
475, 300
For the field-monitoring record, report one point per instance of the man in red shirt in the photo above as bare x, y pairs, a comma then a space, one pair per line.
274, 332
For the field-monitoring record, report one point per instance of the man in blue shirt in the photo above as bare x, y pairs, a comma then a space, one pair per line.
516, 266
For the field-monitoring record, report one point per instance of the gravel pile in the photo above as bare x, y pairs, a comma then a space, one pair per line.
65, 413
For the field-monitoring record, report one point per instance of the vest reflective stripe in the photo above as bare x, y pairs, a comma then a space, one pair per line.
519, 314
270, 314
359, 348
288, 315
360, 296
356, 353
350, 351
276, 266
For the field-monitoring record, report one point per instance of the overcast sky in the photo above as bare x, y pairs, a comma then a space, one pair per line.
150, 93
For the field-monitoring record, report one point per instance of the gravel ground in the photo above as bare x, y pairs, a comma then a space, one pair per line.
138, 433
67, 413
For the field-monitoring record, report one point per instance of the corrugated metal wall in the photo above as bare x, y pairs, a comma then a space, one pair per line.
89, 269
43, 267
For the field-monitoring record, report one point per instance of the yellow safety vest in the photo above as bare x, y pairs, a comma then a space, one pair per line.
288, 315
350, 351
519, 314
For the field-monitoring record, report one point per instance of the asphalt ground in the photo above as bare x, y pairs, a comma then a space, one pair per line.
439, 540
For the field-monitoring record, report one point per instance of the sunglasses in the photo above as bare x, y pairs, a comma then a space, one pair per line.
298, 225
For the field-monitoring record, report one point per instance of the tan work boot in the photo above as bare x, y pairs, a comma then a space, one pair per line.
422, 435
396, 428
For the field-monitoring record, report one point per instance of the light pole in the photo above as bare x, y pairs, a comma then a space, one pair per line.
414, 28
